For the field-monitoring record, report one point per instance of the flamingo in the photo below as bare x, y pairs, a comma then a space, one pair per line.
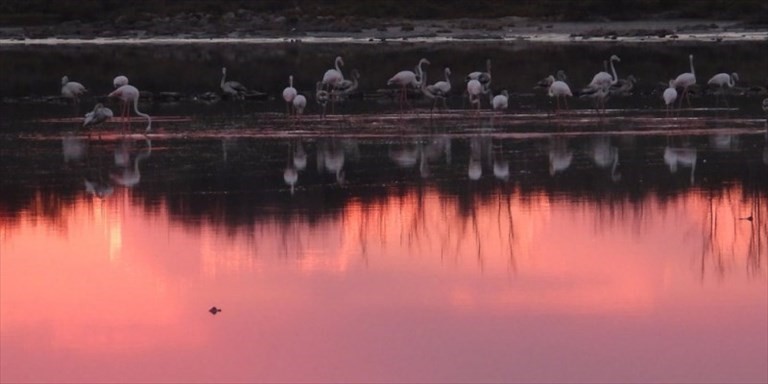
547, 81
231, 89
670, 95
723, 80
333, 76
99, 114
501, 101
299, 103
405, 78
557, 90
119, 81
474, 89
347, 87
321, 96
560, 156
288, 94
129, 94
604, 78
441, 88
72, 89
685, 81
483, 77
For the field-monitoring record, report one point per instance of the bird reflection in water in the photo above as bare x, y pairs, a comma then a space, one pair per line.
297, 160
330, 158
680, 157
73, 148
560, 156
131, 175
500, 164
606, 155
475, 166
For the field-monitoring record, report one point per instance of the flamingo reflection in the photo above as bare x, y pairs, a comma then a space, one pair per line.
560, 156
606, 155
330, 157
475, 167
73, 148
131, 176
500, 165
680, 157
98, 188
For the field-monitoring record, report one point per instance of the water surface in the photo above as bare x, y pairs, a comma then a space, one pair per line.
371, 246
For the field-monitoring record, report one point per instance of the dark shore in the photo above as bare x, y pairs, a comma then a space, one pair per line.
382, 19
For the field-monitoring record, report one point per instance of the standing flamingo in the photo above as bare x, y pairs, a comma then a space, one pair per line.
333, 76
557, 90
72, 89
299, 103
501, 102
405, 78
685, 81
288, 94
723, 80
129, 94
670, 95
441, 88
484, 78
231, 89
474, 89
604, 78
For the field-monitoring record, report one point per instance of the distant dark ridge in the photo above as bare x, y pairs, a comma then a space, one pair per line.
36, 12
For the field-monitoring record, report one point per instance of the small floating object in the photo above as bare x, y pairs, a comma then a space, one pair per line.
214, 310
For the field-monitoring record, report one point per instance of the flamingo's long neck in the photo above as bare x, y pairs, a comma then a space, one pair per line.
338, 61
223, 77
690, 58
731, 81
615, 77
447, 76
290, 81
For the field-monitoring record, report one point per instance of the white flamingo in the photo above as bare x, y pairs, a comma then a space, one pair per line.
484, 78
670, 95
288, 94
130, 94
231, 88
558, 89
299, 103
441, 88
721, 81
685, 81
405, 78
474, 89
72, 89
333, 77
99, 114
119, 81
501, 102
604, 78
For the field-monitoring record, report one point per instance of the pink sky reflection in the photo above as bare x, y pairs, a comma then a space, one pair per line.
526, 290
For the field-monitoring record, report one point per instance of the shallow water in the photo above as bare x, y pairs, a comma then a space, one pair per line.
376, 246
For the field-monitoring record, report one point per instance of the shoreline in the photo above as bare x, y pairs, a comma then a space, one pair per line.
458, 30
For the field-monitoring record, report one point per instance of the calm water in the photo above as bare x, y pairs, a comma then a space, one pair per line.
373, 246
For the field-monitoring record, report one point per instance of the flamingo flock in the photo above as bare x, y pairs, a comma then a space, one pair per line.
335, 87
